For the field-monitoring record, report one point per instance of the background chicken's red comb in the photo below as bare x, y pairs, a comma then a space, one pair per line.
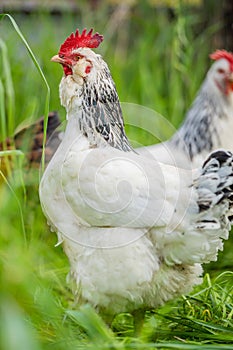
84, 39
217, 55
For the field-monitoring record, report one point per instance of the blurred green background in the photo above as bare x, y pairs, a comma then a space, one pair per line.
158, 54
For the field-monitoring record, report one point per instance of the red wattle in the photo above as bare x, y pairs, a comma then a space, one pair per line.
67, 70
88, 69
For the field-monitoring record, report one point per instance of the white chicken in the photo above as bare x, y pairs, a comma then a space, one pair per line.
208, 124
135, 231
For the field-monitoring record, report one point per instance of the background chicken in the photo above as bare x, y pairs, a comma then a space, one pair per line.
135, 231
208, 124
29, 139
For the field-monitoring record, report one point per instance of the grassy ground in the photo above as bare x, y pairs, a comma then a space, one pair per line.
158, 63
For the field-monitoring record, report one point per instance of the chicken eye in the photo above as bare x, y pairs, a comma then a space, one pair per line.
61, 56
221, 71
78, 57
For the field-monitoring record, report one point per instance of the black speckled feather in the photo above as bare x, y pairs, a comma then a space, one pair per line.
102, 112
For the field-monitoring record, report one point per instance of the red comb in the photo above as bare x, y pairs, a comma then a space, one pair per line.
217, 55
84, 39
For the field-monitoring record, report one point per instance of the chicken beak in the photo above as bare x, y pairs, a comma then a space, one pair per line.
57, 59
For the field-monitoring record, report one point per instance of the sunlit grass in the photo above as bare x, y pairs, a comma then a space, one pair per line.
154, 66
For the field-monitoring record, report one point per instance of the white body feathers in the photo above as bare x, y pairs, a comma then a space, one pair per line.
131, 228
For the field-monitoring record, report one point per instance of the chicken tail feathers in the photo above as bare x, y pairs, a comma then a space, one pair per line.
215, 184
207, 228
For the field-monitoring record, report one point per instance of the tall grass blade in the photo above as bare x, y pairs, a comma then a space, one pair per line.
9, 89
3, 123
16, 198
47, 100
3, 112
87, 318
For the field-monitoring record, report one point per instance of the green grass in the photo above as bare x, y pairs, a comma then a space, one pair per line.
154, 65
